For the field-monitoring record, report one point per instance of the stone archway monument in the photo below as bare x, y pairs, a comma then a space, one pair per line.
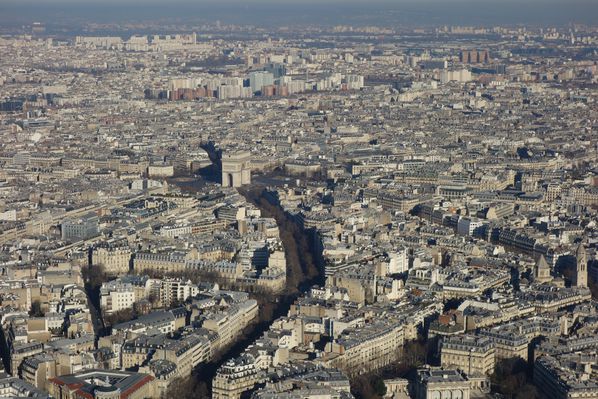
236, 168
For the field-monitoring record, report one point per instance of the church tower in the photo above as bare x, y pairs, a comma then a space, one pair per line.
542, 271
581, 276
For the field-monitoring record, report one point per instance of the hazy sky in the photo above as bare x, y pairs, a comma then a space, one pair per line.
472, 3
383, 12
512, 4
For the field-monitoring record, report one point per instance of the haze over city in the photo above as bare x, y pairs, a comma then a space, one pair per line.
328, 12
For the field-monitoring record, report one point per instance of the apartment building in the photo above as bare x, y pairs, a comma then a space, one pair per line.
229, 324
474, 355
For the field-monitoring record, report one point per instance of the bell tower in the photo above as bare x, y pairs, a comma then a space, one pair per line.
581, 275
